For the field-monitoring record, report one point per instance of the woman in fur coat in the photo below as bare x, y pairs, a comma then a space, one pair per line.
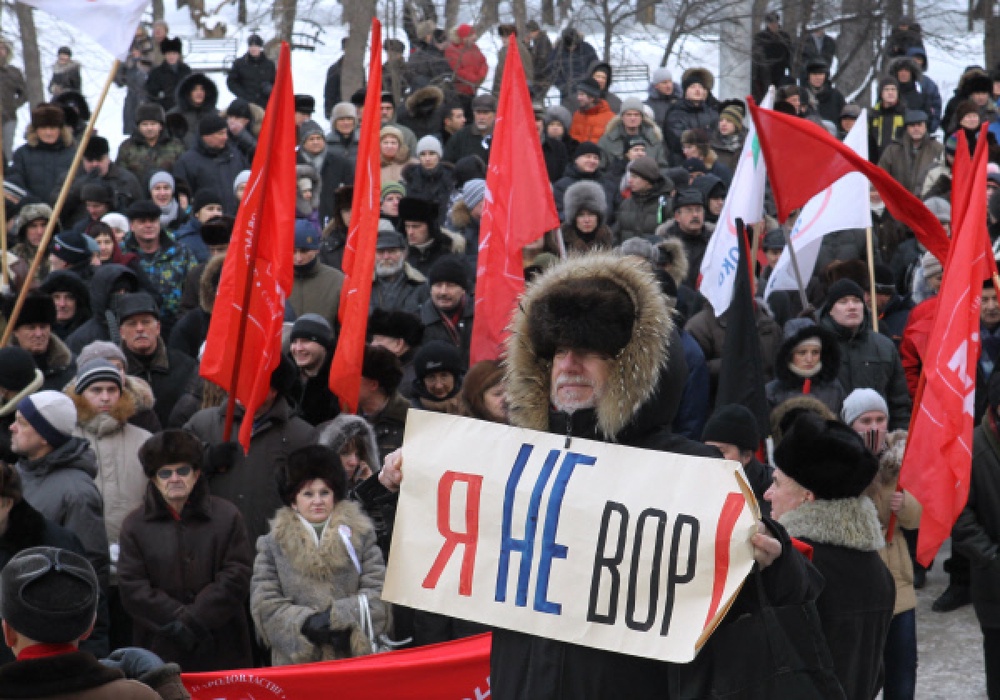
585, 230
314, 566
822, 471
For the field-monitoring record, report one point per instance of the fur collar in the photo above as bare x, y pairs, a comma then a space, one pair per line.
337, 432
65, 138
326, 561
846, 522
635, 372
102, 424
208, 286
460, 215
673, 258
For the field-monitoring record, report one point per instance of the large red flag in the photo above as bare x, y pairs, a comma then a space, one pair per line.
362, 235
518, 209
244, 336
795, 179
938, 458
962, 191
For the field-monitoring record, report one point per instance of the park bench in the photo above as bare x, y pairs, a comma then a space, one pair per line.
630, 78
211, 55
305, 35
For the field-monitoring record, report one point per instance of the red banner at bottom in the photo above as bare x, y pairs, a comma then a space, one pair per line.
456, 670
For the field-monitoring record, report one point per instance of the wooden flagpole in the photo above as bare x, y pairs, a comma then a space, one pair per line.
57, 209
4, 270
871, 277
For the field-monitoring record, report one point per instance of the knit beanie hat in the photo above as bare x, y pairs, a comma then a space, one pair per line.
97, 148
930, 265
585, 148
52, 414
17, 369
732, 115
312, 327
307, 129
843, 288
558, 113
826, 457
71, 247
438, 356
162, 176
306, 235
448, 268
241, 179
101, 349
631, 104
49, 594
343, 110
97, 192
97, 370
392, 187
590, 87
239, 108
429, 143
211, 124
861, 401
732, 424
473, 192
661, 75
150, 112
469, 168
204, 197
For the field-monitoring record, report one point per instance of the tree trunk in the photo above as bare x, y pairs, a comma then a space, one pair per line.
857, 50
358, 17
158, 10
241, 11
451, 8
992, 41
735, 39
519, 8
283, 13
197, 10
32, 58
548, 12
489, 14
646, 13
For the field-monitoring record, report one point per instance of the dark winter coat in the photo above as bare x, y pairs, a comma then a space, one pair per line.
885, 125
660, 103
404, 292
65, 77
13, 88
976, 533
869, 359
640, 214
829, 101
214, 169
124, 186
336, 171
76, 675
424, 112
252, 78
316, 290
187, 131
193, 568
435, 185
38, 166
772, 59
190, 332
629, 414
893, 316
809, 51
695, 403
568, 65
710, 332
57, 364
426, 66
142, 160
824, 386
694, 247
331, 87
468, 141
856, 604
132, 75
167, 371
161, 87
556, 157
101, 304
388, 425
541, 52
249, 483
687, 115
344, 146
440, 244
908, 167
458, 334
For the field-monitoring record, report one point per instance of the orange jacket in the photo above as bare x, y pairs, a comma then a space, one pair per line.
589, 125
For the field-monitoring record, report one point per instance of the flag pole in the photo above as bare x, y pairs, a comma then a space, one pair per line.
871, 277
795, 268
57, 209
4, 271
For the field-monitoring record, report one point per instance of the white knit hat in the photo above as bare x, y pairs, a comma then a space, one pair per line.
52, 414
429, 143
859, 402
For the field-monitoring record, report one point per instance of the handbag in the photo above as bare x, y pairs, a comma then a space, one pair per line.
379, 642
769, 652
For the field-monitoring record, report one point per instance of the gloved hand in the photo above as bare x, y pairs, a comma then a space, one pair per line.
220, 458
181, 635
134, 662
316, 628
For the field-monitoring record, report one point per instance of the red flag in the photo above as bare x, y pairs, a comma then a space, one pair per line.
359, 253
458, 669
794, 179
961, 190
244, 336
938, 458
518, 209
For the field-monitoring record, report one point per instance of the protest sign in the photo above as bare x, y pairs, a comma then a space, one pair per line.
611, 547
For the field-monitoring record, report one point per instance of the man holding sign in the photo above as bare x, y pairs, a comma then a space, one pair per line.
585, 360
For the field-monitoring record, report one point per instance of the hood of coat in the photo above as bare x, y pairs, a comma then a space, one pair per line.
75, 454
188, 84
208, 284
606, 68
460, 215
65, 138
423, 102
141, 391
829, 355
330, 558
101, 424
634, 376
905, 62
305, 207
785, 412
588, 195
346, 426
103, 282
673, 258
845, 522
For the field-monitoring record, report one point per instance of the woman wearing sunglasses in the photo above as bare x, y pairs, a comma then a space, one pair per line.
185, 563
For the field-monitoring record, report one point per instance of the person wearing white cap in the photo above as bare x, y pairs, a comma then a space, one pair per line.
57, 473
430, 178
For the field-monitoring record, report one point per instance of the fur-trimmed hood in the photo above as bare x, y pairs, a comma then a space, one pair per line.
302, 207
673, 258
829, 355
185, 87
460, 215
102, 424
905, 62
846, 522
635, 372
423, 102
337, 432
208, 283
326, 561
648, 130
65, 138
588, 195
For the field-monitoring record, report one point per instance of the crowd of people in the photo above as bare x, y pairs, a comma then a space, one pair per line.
113, 447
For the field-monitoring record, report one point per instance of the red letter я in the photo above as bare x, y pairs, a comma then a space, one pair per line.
469, 538
731, 510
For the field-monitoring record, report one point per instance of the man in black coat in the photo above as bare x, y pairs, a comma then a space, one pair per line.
772, 55
252, 74
161, 86
213, 163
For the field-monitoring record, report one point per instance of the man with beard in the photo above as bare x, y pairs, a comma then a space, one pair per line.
396, 285
447, 315
586, 359
311, 347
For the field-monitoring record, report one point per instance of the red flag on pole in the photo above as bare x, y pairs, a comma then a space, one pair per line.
518, 209
362, 235
794, 179
962, 192
244, 336
938, 458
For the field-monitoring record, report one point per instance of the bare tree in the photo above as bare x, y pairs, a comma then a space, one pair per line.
283, 13
358, 17
32, 57
858, 49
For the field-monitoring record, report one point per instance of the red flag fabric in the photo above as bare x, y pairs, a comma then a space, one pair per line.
359, 253
458, 669
938, 458
517, 210
794, 179
244, 336
961, 191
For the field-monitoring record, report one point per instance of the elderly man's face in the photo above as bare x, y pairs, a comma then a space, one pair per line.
578, 379
34, 337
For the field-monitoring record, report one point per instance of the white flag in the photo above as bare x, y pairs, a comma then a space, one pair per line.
111, 23
842, 205
744, 201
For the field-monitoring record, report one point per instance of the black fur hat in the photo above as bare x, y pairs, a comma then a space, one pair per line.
218, 230
37, 308
826, 457
150, 112
382, 366
173, 44
584, 314
416, 209
285, 378
307, 464
396, 324
170, 447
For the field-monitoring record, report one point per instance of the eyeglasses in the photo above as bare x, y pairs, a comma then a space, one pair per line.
165, 473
